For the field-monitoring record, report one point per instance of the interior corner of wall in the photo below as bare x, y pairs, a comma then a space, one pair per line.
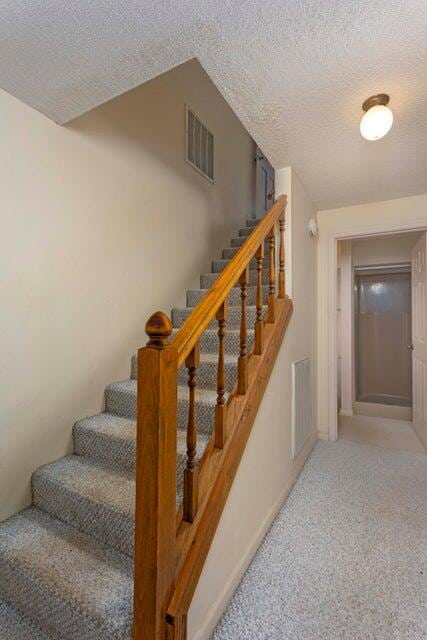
283, 182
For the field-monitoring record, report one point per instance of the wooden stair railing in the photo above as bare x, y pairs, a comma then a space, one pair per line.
171, 547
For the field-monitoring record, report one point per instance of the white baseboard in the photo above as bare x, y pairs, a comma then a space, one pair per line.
218, 607
346, 412
322, 435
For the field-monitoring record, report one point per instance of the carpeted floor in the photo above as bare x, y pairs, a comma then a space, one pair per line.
346, 557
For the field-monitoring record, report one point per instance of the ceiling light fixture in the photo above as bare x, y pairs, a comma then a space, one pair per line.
378, 118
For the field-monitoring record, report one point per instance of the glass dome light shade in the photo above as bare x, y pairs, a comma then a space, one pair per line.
376, 122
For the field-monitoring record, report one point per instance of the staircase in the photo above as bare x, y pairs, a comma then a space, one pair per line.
69, 565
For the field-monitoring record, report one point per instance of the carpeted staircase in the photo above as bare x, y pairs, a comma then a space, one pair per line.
66, 565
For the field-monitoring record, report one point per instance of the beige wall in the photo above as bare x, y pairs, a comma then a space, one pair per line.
368, 219
384, 249
103, 222
267, 471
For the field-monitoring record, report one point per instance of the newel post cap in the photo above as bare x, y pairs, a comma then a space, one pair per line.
158, 330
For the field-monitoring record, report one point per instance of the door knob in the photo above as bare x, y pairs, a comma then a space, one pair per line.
411, 347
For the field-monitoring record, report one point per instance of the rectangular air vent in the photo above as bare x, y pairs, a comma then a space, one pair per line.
200, 145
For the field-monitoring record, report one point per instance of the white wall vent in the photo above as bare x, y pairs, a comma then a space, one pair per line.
200, 145
302, 421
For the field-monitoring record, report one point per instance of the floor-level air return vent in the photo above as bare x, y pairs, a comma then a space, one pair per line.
301, 404
200, 146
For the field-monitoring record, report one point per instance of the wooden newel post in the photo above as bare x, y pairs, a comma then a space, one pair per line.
155, 528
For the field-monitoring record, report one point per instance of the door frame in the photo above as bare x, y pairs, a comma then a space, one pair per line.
327, 310
260, 160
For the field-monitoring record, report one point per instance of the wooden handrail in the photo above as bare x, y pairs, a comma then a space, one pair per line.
170, 547
196, 323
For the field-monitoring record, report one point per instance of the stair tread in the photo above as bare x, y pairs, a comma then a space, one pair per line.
110, 425
191, 309
73, 586
97, 499
107, 437
99, 483
252, 222
250, 287
237, 242
212, 358
180, 314
207, 279
230, 252
14, 626
232, 330
229, 358
219, 265
194, 296
90, 479
202, 395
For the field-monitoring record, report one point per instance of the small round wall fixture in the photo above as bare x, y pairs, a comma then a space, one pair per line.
313, 229
378, 118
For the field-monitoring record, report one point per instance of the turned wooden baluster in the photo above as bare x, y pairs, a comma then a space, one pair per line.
259, 323
191, 494
221, 409
242, 363
282, 287
272, 277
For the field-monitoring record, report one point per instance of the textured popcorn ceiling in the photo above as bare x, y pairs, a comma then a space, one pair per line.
296, 73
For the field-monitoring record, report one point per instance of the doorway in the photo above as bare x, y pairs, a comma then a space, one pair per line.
264, 184
382, 324
375, 347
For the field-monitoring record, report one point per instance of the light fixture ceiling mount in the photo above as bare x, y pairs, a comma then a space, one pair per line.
378, 117
381, 98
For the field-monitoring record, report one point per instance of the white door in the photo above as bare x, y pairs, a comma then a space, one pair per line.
419, 337
264, 184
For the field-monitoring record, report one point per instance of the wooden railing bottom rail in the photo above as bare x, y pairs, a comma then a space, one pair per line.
218, 473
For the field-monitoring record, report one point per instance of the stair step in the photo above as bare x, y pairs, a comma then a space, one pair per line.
107, 438
13, 626
219, 265
244, 232
252, 222
63, 581
206, 376
121, 400
209, 341
230, 252
195, 295
99, 501
237, 242
207, 279
233, 319
111, 440
91, 497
